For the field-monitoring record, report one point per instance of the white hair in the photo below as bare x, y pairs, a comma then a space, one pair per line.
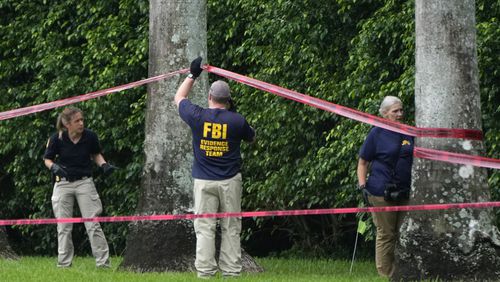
387, 103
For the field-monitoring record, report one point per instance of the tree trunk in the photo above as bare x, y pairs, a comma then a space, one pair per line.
459, 244
6, 251
177, 34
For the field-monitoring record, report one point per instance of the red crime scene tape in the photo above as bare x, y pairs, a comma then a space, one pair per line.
308, 100
471, 134
455, 158
68, 101
249, 214
375, 121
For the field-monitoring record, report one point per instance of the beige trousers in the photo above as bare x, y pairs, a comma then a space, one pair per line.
212, 197
63, 198
388, 224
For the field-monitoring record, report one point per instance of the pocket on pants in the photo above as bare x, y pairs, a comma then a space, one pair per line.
96, 203
56, 204
55, 201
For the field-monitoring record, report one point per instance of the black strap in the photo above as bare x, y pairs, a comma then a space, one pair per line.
397, 159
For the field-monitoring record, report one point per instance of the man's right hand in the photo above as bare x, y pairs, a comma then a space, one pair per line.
195, 68
59, 170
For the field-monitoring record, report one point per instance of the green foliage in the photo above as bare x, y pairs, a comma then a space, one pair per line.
488, 46
351, 53
51, 52
347, 54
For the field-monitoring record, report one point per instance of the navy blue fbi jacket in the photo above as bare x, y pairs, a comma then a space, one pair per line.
217, 136
390, 153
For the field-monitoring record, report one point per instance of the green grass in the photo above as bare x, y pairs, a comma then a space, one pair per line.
44, 269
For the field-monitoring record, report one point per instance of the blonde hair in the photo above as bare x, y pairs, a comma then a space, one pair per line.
65, 117
387, 103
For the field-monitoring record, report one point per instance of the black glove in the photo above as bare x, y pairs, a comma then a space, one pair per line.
364, 194
59, 170
196, 69
107, 169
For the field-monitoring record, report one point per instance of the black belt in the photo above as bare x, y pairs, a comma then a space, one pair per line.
71, 178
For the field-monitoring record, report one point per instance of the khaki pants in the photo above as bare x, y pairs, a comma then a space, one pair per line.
388, 224
212, 197
63, 198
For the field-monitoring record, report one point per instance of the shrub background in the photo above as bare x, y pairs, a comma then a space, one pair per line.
349, 53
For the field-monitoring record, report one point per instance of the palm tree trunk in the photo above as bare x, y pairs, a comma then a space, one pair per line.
177, 34
451, 244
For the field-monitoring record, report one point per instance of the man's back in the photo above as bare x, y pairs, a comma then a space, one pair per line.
217, 135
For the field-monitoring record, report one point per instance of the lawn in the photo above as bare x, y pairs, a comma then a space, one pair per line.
83, 269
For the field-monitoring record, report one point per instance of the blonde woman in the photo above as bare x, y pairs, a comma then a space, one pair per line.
69, 156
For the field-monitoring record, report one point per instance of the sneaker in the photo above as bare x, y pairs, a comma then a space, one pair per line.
230, 275
205, 276
106, 264
64, 266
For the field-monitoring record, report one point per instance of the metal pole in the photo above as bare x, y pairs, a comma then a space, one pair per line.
354, 252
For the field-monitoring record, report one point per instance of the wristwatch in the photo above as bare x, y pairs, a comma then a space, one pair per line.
191, 76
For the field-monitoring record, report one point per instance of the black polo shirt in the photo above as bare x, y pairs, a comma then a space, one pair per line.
76, 158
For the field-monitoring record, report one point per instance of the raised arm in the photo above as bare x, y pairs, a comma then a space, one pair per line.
183, 91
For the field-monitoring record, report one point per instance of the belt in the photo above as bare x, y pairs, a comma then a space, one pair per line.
71, 178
